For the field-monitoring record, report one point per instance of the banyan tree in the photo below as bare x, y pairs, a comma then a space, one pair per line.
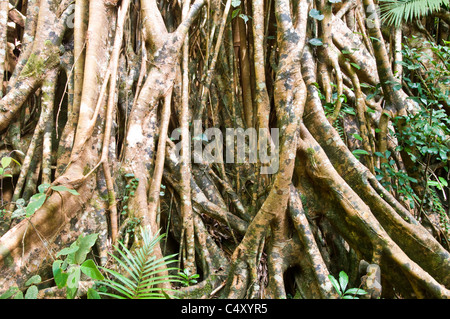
128, 114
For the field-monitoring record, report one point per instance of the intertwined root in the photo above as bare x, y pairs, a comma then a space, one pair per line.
322, 211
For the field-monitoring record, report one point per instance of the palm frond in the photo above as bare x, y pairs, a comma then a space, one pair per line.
141, 271
394, 12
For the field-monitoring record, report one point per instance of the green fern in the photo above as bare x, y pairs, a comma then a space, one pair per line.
142, 271
394, 12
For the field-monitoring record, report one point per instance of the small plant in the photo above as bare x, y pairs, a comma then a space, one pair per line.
187, 279
67, 272
130, 189
31, 290
142, 271
5, 171
37, 200
396, 180
341, 287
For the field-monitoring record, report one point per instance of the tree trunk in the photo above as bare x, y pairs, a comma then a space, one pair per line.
99, 93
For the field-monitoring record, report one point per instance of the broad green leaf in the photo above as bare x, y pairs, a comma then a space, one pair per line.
443, 181
235, 13
18, 295
43, 187
20, 202
235, 3
61, 188
314, 13
33, 280
74, 277
36, 202
71, 292
10, 292
59, 276
19, 212
6, 161
315, 42
335, 284
31, 293
244, 17
85, 243
69, 250
357, 136
89, 268
93, 294
343, 280
355, 291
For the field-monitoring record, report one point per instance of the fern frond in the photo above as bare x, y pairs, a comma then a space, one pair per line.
394, 12
141, 271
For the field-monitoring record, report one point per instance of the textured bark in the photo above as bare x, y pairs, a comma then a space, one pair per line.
97, 97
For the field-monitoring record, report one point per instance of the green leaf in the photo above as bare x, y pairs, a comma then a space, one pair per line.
31, 293
335, 284
69, 250
443, 181
89, 268
85, 244
356, 66
43, 187
355, 291
314, 13
33, 280
36, 202
93, 294
235, 3
343, 280
10, 292
315, 42
19, 295
349, 110
19, 212
433, 183
6, 161
244, 17
61, 188
71, 292
73, 279
359, 152
59, 276
357, 136
235, 13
